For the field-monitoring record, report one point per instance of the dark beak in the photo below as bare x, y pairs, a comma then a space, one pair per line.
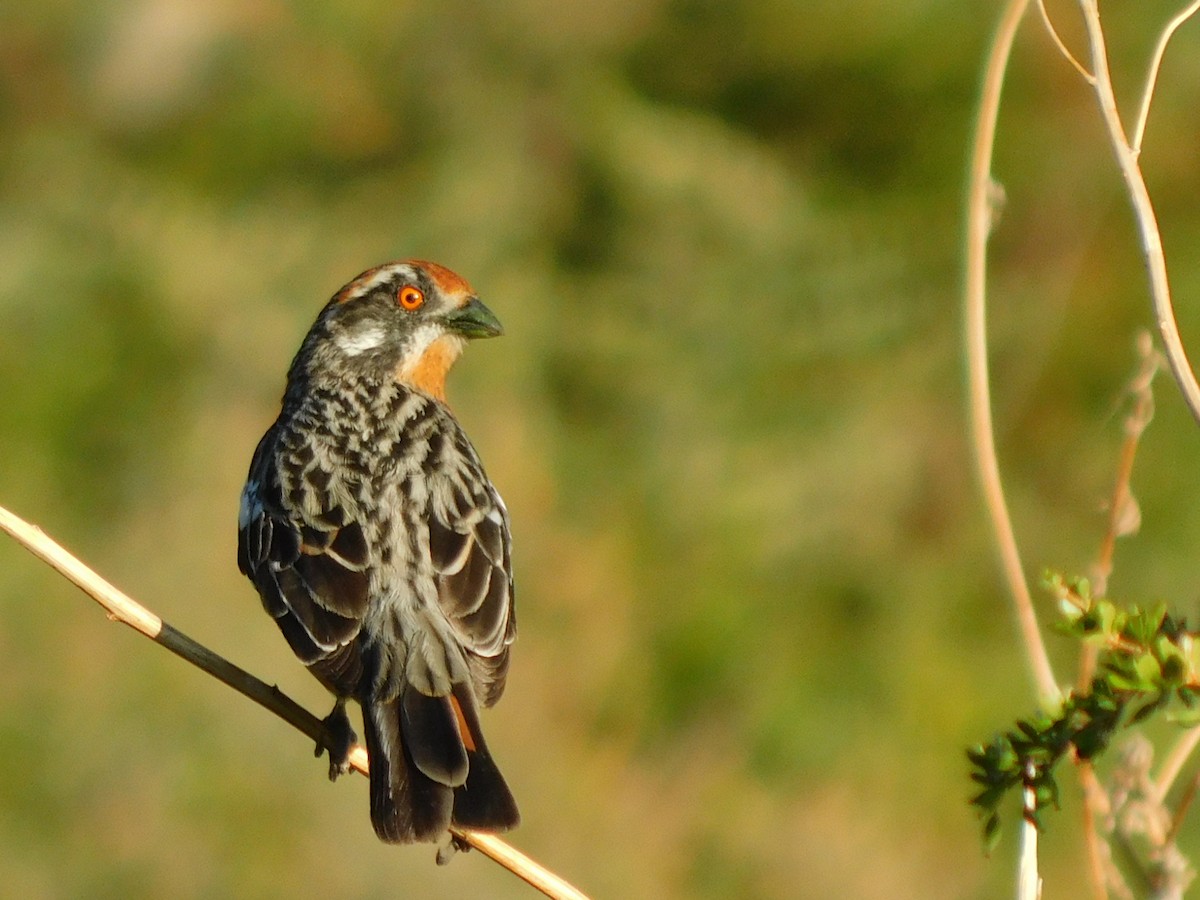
474, 321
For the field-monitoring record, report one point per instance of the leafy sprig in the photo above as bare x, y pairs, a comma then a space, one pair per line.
1146, 664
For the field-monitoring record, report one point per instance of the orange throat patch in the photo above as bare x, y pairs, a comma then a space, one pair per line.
427, 371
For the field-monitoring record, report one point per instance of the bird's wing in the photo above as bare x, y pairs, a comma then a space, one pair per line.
308, 561
471, 551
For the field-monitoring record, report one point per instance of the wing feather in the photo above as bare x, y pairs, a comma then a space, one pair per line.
469, 546
310, 568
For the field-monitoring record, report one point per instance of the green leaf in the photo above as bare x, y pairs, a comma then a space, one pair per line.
991, 832
1149, 672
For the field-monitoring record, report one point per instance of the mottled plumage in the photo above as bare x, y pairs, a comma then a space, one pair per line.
381, 549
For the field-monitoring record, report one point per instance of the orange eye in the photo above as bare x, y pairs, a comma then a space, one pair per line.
410, 298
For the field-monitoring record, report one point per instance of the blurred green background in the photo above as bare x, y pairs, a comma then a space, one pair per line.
760, 612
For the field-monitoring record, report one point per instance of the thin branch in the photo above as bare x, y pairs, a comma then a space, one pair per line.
1095, 801
979, 223
1174, 763
1152, 249
1160, 50
122, 608
1122, 507
1062, 47
1181, 811
1123, 513
1101, 870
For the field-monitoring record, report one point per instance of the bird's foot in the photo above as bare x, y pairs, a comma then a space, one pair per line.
339, 738
453, 845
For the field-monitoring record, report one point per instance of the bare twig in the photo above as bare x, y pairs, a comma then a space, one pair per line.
121, 608
1102, 871
1143, 209
1127, 160
1095, 801
1139, 128
1181, 810
979, 223
1176, 759
1152, 249
1122, 507
980, 219
1062, 47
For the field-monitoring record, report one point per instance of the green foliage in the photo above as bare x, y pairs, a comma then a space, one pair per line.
1145, 661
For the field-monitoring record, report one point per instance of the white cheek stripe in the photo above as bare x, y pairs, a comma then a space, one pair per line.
352, 343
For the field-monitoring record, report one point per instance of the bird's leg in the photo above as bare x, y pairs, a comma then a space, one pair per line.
339, 738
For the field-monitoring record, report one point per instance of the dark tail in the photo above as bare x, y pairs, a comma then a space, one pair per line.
430, 768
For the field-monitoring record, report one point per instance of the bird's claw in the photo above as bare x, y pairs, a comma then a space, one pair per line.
338, 739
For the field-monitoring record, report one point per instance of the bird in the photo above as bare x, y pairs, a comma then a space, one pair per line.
383, 552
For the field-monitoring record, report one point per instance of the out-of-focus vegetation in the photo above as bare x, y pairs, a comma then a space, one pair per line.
760, 615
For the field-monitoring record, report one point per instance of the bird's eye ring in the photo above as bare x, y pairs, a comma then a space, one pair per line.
410, 298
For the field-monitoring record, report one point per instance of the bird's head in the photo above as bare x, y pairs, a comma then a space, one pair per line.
404, 320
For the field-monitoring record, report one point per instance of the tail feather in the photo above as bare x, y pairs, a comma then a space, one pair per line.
406, 805
430, 767
432, 737
484, 802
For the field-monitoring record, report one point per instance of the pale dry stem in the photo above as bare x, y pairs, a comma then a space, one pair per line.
1143, 209
1123, 517
979, 223
1176, 760
1127, 154
1062, 47
1160, 49
1029, 883
1181, 809
980, 219
1104, 876
122, 608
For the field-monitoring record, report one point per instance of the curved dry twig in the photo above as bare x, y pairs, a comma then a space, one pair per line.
122, 608
1061, 45
1127, 159
979, 224
1143, 210
1139, 128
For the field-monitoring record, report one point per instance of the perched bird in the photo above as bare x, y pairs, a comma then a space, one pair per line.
382, 550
